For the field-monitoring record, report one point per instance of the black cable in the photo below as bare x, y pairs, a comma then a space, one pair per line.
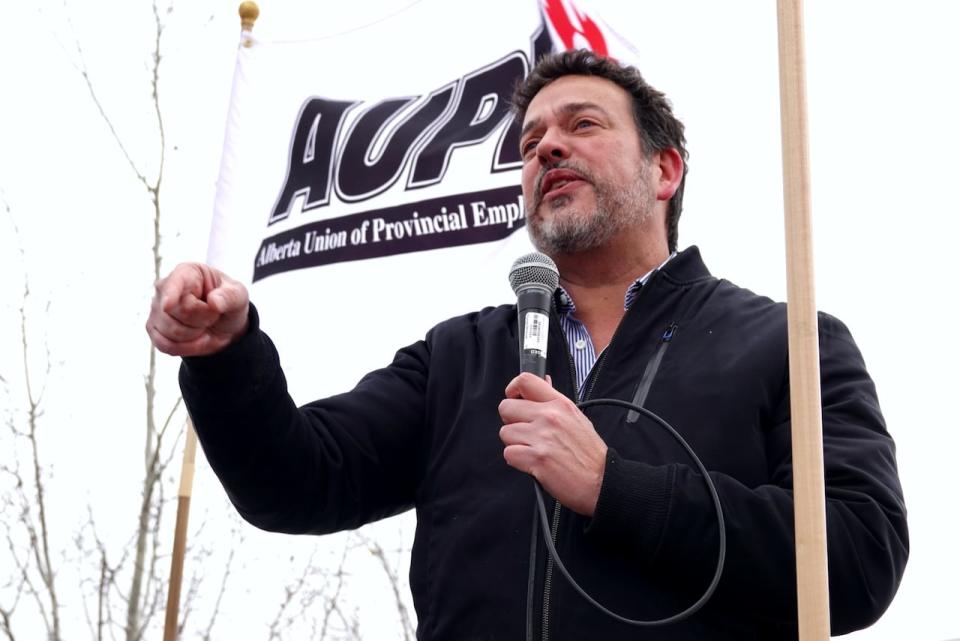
721, 556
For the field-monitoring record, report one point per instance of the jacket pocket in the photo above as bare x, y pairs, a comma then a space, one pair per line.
650, 372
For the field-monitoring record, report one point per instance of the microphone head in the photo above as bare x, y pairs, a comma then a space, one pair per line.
534, 270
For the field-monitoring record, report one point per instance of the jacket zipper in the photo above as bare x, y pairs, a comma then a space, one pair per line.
548, 574
646, 381
555, 523
554, 527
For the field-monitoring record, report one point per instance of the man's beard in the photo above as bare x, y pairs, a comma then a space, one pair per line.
567, 231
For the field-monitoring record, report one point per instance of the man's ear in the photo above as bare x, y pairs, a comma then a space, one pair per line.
671, 172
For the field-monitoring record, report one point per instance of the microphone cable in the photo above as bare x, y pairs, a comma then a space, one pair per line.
721, 556
534, 278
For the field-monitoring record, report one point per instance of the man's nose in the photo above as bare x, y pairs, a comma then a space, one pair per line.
552, 147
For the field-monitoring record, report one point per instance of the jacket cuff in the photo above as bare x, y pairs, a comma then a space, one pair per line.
239, 371
633, 506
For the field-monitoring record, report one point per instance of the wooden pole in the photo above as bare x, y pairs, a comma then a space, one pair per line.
813, 602
180, 535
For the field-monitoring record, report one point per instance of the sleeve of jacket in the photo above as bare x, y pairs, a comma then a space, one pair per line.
668, 515
333, 464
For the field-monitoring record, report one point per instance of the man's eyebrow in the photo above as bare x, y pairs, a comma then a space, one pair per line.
566, 109
530, 125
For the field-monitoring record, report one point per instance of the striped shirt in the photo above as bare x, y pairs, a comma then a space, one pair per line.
578, 338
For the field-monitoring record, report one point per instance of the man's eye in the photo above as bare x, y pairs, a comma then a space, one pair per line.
527, 147
582, 124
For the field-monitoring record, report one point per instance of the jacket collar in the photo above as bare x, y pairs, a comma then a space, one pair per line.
686, 267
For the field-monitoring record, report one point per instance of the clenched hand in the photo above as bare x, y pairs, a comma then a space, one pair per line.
197, 310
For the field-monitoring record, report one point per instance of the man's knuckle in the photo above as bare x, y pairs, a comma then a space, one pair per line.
539, 455
554, 416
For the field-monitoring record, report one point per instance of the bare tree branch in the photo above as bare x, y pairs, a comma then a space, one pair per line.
81, 67
377, 551
6, 625
40, 542
6, 613
155, 84
169, 419
237, 541
333, 599
290, 591
29, 491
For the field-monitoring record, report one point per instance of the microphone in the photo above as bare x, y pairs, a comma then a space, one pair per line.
534, 278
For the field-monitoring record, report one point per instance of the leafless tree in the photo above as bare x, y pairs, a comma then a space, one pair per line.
122, 587
314, 591
195, 582
145, 587
316, 598
126, 587
27, 533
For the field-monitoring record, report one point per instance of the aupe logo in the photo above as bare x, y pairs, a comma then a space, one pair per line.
357, 150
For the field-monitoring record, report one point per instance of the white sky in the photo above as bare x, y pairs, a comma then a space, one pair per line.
883, 102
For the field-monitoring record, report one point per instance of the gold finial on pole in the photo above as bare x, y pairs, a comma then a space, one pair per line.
249, 12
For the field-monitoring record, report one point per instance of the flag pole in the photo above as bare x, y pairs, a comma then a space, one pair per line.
813, 606
180, 534
248, 11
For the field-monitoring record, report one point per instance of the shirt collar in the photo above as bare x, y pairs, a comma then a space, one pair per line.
565, 304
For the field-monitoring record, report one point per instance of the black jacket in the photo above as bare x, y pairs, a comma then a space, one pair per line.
707, 356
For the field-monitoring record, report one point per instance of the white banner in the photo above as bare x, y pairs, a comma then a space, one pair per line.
370, 181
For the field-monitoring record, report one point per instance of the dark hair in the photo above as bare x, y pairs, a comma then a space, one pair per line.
659, 129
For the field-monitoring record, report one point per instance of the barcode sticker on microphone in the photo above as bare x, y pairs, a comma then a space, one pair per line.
535, 333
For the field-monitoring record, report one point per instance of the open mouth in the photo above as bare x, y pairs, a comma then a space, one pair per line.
556, 180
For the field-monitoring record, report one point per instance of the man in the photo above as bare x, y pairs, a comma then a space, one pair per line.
632, 519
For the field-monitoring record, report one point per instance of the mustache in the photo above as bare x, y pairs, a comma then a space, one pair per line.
564, 164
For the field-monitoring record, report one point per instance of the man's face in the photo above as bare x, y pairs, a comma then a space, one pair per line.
584, 175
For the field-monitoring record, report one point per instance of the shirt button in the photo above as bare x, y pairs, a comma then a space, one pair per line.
580, 344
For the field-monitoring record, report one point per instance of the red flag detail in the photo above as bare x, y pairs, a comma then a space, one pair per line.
569, 26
